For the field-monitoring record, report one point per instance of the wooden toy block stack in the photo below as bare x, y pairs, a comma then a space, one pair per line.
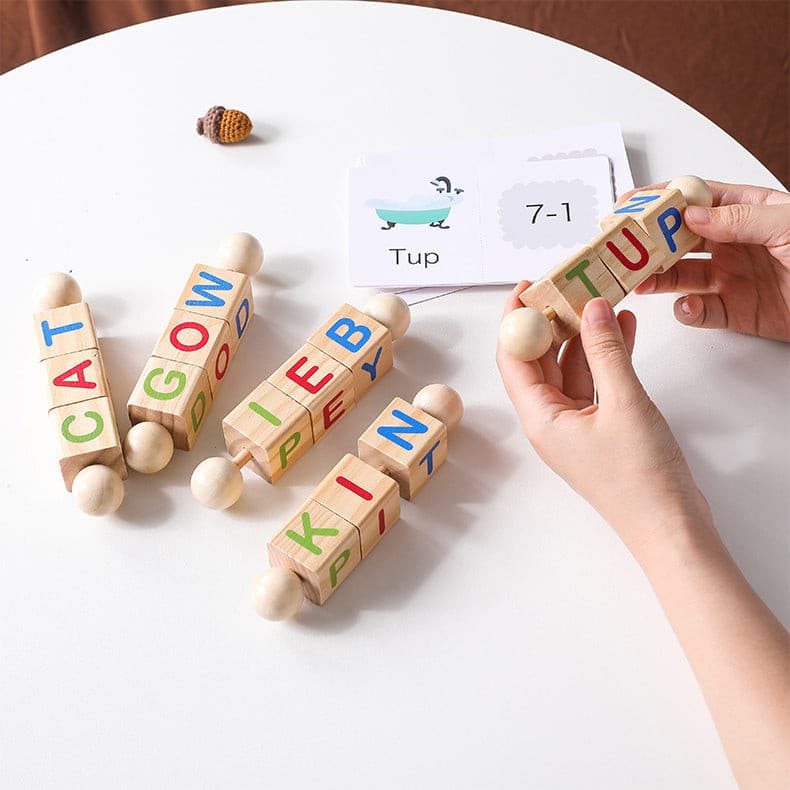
644, 236
357, 503
177, 386
78, 397
304, 398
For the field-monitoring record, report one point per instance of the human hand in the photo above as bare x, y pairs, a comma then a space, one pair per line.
618, 452
745, 286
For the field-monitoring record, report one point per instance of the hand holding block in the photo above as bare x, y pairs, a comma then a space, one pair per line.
71, 378
63, 330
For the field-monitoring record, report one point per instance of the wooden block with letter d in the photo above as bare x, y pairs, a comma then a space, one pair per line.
405, 443
358, 342
273, 427
175, 395
361, 495
62, 330
319, 546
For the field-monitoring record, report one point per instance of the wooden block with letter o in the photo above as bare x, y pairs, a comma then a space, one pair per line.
74, 377
319, 546
406, 443
173, 394
361, 495
320, 383
358, 342
63, 330
273, 427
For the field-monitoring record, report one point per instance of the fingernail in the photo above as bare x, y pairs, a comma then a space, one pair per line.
598, 311
685, 308
698, 215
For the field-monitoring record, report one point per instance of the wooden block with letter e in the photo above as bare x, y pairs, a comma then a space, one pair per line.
361, 495
405, 443
319, 546
358, 342
320, 383
175, 395
62, 330
86, 434
74, 377
273, 427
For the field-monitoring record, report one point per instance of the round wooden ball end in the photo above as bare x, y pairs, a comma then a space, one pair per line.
525, 333
56, 289
390, 310
217, 483
98, 490
441, 402
148, 447
240, 252
695, 191
277, 594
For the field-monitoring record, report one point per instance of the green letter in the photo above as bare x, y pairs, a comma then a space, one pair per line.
285, 451
578, 271
201, 399
267, 415
82, 437
306, 540
333, 568
173, 374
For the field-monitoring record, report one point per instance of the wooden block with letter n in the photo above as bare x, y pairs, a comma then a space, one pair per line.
220, 293
357, 341
86, 434
405, 443
62, 330
361, 495
71, 378
319, 546
320, 383
175, 395
273, 427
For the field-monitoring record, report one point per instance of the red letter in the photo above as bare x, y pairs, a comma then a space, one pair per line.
79, 372
303, 380
644, 256
220, 374
191, 346
354, 488
329, 409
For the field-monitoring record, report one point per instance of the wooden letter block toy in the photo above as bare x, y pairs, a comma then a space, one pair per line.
345, 517
628, 252
78, 397
191, 358
340, 362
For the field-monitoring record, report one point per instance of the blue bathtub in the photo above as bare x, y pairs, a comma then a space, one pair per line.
413, 216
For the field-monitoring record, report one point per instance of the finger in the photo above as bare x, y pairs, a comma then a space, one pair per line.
742, 223
689, 276
512, 302
627, 321
725, 194
576, 377
706, 311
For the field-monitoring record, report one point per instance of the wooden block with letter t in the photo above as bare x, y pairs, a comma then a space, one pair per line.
361, 495
174, 394
273, 427
320, 383
63, 330
319, 546
71, 378
358, 342
405, 443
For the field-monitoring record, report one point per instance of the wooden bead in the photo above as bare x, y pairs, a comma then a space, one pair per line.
56, 289
695, 191
277, 594
525, 333
441, 402
390, 310
240, 252
148, 447
98, 490
217, 483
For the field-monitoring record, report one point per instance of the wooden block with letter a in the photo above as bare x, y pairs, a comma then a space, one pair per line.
319, 546
173, 394
220, 293
63, 330
71, 378
358, 342
320, 383
405, 443
273, 427
628, 252
86, 434
361, 495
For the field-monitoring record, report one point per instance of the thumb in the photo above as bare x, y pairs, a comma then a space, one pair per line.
743, 223
607, 355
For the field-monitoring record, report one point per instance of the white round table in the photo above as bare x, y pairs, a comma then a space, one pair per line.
501, 636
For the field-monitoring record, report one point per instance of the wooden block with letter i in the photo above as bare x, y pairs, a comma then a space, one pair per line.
62, 330
358, 342
319, 546
405, 443
274, 428
320, 383
71, 378
175, 395
361, 495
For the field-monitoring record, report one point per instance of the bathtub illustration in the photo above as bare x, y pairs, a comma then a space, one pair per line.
431, 210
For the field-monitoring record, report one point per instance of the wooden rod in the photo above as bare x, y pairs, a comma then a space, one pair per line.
241, 457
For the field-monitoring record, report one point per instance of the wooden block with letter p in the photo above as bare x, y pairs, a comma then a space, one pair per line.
273, 427
405, 443
358, 342
175, 395
361, 495
320, 383
319, 546
62, 330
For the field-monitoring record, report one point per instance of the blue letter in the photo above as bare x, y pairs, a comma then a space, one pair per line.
351, 329
429, 456
669, 232
239, 326
49, 332
390, 431
636, 204
203, 290
370, 367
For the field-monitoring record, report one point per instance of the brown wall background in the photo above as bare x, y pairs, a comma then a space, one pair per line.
728, 59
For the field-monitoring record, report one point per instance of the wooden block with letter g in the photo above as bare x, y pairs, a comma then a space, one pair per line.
175, 395
273, 427
319, 546
361, 495
63, 330
405, 443
358, 342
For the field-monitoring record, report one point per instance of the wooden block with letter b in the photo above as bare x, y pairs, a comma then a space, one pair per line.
358, 342
319, 546
405, 443
361, 495
175, 395
62, 330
